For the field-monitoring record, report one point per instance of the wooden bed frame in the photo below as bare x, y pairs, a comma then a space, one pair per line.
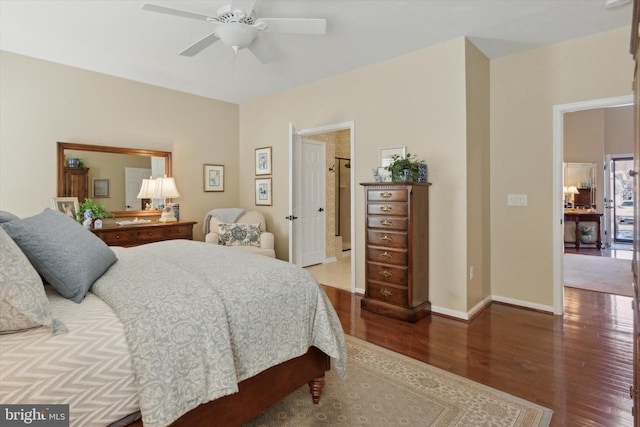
259, 392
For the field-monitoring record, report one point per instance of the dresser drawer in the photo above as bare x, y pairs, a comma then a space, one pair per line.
392, 223
401, 209
395, 195
118, 238
391, 239
152, 234
396, 275
387, 256
390, 294
180, 232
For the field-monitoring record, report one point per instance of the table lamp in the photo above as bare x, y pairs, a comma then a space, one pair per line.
147, 189
166, 189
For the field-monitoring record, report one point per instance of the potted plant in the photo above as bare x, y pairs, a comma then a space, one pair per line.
404, 169
97, 211
586, 233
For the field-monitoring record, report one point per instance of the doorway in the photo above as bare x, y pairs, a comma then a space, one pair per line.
339, 141
620, 202
558, 195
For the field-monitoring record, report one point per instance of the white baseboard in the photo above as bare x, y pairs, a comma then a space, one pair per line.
521, 303
328, 260
485, 302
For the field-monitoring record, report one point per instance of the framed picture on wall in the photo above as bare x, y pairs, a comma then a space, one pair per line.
263, 161
100, 188
67, 205
213, 177
263, 192
386, 155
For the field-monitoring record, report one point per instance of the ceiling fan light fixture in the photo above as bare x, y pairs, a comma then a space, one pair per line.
237, 35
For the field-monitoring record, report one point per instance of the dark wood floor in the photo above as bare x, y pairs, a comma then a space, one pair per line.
579, 365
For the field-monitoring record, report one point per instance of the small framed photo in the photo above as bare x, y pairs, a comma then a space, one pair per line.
385, 175
263, 161
213, 177
263, 192
67, 205
100, 188
386, 154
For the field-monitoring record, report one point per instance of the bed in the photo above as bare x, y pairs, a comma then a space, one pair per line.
175, 332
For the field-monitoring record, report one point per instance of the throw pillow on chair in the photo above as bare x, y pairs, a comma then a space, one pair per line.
239, 234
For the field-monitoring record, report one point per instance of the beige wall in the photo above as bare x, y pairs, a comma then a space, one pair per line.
43, 102
618, 131
429, 100
417, 100
524, 89
478, 177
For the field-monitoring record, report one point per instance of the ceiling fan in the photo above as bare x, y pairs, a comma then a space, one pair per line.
236, 26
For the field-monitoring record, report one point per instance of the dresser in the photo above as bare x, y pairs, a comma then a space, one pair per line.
134, 235
397, 250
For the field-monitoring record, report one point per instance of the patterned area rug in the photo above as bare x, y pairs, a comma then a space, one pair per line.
601, 274
384, 388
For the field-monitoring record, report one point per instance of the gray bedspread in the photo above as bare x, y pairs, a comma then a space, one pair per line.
200, 318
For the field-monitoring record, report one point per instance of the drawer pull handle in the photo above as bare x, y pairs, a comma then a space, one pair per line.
386, 255
386, 273
150, 234
386, 208
117, 236
386, 238
385, 195
386, 293
386, 222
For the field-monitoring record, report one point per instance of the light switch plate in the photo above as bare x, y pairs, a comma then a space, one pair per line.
517, 200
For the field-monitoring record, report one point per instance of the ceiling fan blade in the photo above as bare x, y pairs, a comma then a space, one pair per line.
244, 5
200, 45
176, 12
262, 50
294, 25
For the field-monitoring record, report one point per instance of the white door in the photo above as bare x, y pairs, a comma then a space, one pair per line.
312, 202
132, 181
294, 195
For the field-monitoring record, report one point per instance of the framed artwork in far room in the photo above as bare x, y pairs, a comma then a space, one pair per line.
263, 192
213, 177
263, 161
100, 188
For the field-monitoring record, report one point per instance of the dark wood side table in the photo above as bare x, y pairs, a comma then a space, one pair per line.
585, 217
139, 234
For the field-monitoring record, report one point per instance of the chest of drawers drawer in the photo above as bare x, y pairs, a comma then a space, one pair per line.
388, 195
387, 293
399, 209
387, 222
391, 239
387, 255
396, 275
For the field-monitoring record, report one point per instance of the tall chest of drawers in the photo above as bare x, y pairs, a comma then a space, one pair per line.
397, 248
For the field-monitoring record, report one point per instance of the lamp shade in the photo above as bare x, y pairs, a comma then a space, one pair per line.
573, 190
165, 189
147, 189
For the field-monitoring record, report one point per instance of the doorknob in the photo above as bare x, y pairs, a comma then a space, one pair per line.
321, 210
632, 173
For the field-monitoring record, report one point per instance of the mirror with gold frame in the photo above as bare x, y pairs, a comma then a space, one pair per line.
123, 167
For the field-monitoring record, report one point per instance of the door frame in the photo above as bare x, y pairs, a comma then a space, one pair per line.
558, 208
293, 173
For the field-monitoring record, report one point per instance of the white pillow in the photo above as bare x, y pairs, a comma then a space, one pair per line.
239, 234
23, 302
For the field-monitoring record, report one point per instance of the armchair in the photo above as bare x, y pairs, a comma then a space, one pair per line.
228, 235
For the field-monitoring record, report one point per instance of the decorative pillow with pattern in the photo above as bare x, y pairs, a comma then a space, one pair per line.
23, 301
239, 234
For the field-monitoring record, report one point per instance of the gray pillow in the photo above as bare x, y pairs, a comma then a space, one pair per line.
23, 302
7, 216
66, 255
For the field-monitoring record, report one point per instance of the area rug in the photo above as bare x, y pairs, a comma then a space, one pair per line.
601, 274
384, 388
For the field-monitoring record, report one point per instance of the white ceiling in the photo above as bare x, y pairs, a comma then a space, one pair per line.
117, 37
